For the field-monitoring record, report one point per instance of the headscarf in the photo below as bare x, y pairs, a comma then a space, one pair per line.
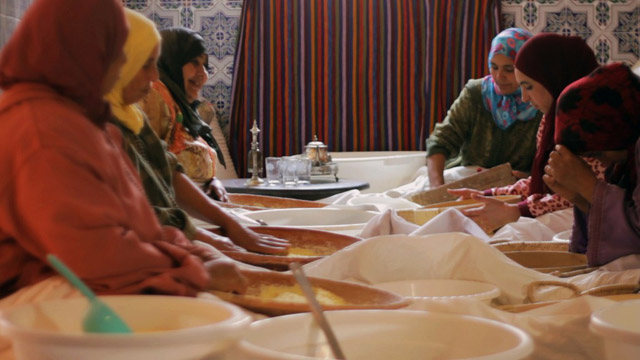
506, 108
67, 45
143, 38
554, 61
601, 112
179, 46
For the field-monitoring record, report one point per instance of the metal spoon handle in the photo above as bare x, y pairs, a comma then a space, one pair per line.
316, 310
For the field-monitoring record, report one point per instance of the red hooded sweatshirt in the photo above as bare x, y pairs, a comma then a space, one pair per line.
66, 185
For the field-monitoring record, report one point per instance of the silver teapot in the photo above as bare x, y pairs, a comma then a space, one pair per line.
317, 152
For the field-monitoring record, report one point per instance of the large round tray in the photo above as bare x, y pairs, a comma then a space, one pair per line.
261, 202
549, 261
356, 297
512, 246
321, 243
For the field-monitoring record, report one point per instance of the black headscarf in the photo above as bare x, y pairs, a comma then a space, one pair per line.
179, 46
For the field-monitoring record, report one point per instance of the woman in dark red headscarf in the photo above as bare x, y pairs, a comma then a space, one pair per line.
599, 116
67, 187
544, 66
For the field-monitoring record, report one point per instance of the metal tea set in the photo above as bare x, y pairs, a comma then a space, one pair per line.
316, 151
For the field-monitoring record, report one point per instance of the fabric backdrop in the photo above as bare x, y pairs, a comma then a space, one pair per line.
364, 75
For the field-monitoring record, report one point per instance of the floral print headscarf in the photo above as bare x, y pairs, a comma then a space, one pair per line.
506, 108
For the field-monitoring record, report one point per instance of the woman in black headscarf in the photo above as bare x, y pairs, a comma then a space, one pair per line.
171, 108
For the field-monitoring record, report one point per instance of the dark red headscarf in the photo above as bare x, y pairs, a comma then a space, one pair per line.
601, 112
67, 45
554, 61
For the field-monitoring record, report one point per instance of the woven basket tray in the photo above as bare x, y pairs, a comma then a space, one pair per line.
531, 246
262, 202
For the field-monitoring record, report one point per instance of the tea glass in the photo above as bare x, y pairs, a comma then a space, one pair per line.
272, 170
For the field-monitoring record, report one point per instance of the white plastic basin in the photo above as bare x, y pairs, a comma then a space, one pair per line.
619, 325
563, 236
384, 335
165, 328
441, 289
384, 170
344, 221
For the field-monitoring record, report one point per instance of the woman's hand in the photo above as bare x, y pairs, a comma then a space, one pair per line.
226, 276
221, 243
569, 176
493, 214
464, 193
216, 190
252, 241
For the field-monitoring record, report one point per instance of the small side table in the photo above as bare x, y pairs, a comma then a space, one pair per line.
317, 189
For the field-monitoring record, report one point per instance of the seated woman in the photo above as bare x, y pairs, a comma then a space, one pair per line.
489, 124
171, 108
69, 188
164, 183
599, 116
545, 65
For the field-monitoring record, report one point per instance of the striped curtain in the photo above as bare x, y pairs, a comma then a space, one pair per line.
362, 75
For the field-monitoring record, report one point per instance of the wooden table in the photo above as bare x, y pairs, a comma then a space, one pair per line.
317, 189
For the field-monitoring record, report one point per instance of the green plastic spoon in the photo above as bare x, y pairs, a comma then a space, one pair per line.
100, 318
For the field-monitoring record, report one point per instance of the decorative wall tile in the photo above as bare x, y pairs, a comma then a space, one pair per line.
169, 4
628, 32
137, 5
509, 20
232, 4
221, 32
162, 21
567, 22
202, 4
219, 94
186, 17
610, 27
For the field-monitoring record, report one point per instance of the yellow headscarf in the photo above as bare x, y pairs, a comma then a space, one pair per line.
143, 37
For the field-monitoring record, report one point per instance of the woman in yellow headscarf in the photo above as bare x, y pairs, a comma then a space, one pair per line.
164, 182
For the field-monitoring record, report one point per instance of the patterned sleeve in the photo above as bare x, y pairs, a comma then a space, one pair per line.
449, 135
521, 187
172, 159
540, 204
158, 111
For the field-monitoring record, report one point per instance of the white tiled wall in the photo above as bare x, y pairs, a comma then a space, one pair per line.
610, 27
10, 13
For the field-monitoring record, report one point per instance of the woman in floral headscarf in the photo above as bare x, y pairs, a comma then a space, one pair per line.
599, 116
488, 124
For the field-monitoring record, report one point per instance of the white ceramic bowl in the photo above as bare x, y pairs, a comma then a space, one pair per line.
344, 221
384, 335
619, 325
165, 327
563, 236
441, 289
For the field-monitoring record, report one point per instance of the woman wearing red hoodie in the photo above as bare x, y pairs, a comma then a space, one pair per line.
67, 187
